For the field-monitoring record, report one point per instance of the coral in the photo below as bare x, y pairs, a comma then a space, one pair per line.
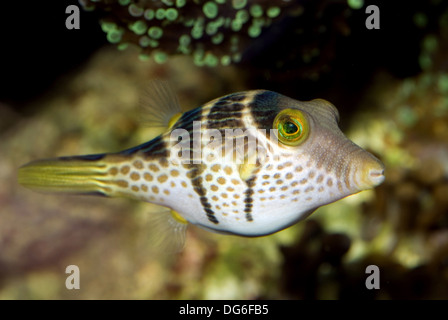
213, 32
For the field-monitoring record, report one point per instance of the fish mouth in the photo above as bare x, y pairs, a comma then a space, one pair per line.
371, 172
376, 176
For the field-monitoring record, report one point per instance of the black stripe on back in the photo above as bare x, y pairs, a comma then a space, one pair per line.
156, 147
186, 120
226, 113
88, 157
264, 108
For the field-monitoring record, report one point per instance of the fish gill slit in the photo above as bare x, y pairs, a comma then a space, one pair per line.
347, 177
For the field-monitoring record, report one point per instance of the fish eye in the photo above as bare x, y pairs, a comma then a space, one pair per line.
292, 127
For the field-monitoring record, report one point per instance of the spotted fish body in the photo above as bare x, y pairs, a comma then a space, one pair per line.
235, 193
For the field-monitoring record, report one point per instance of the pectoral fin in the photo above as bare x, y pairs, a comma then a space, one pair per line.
249, 166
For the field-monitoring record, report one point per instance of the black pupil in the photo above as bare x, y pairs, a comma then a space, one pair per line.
290, 127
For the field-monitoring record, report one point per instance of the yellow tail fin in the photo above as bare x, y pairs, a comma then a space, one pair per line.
75, 175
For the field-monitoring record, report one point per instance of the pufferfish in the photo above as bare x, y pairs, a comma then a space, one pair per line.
301, 161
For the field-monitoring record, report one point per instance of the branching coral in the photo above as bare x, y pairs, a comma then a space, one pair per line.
213, 32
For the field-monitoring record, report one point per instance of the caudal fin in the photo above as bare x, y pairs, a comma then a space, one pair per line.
72, 175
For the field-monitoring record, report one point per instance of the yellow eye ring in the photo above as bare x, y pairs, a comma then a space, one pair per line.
292, 126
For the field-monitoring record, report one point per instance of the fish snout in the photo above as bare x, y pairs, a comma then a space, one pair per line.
370, 173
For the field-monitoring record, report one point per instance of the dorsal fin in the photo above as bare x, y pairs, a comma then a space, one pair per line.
159, 104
